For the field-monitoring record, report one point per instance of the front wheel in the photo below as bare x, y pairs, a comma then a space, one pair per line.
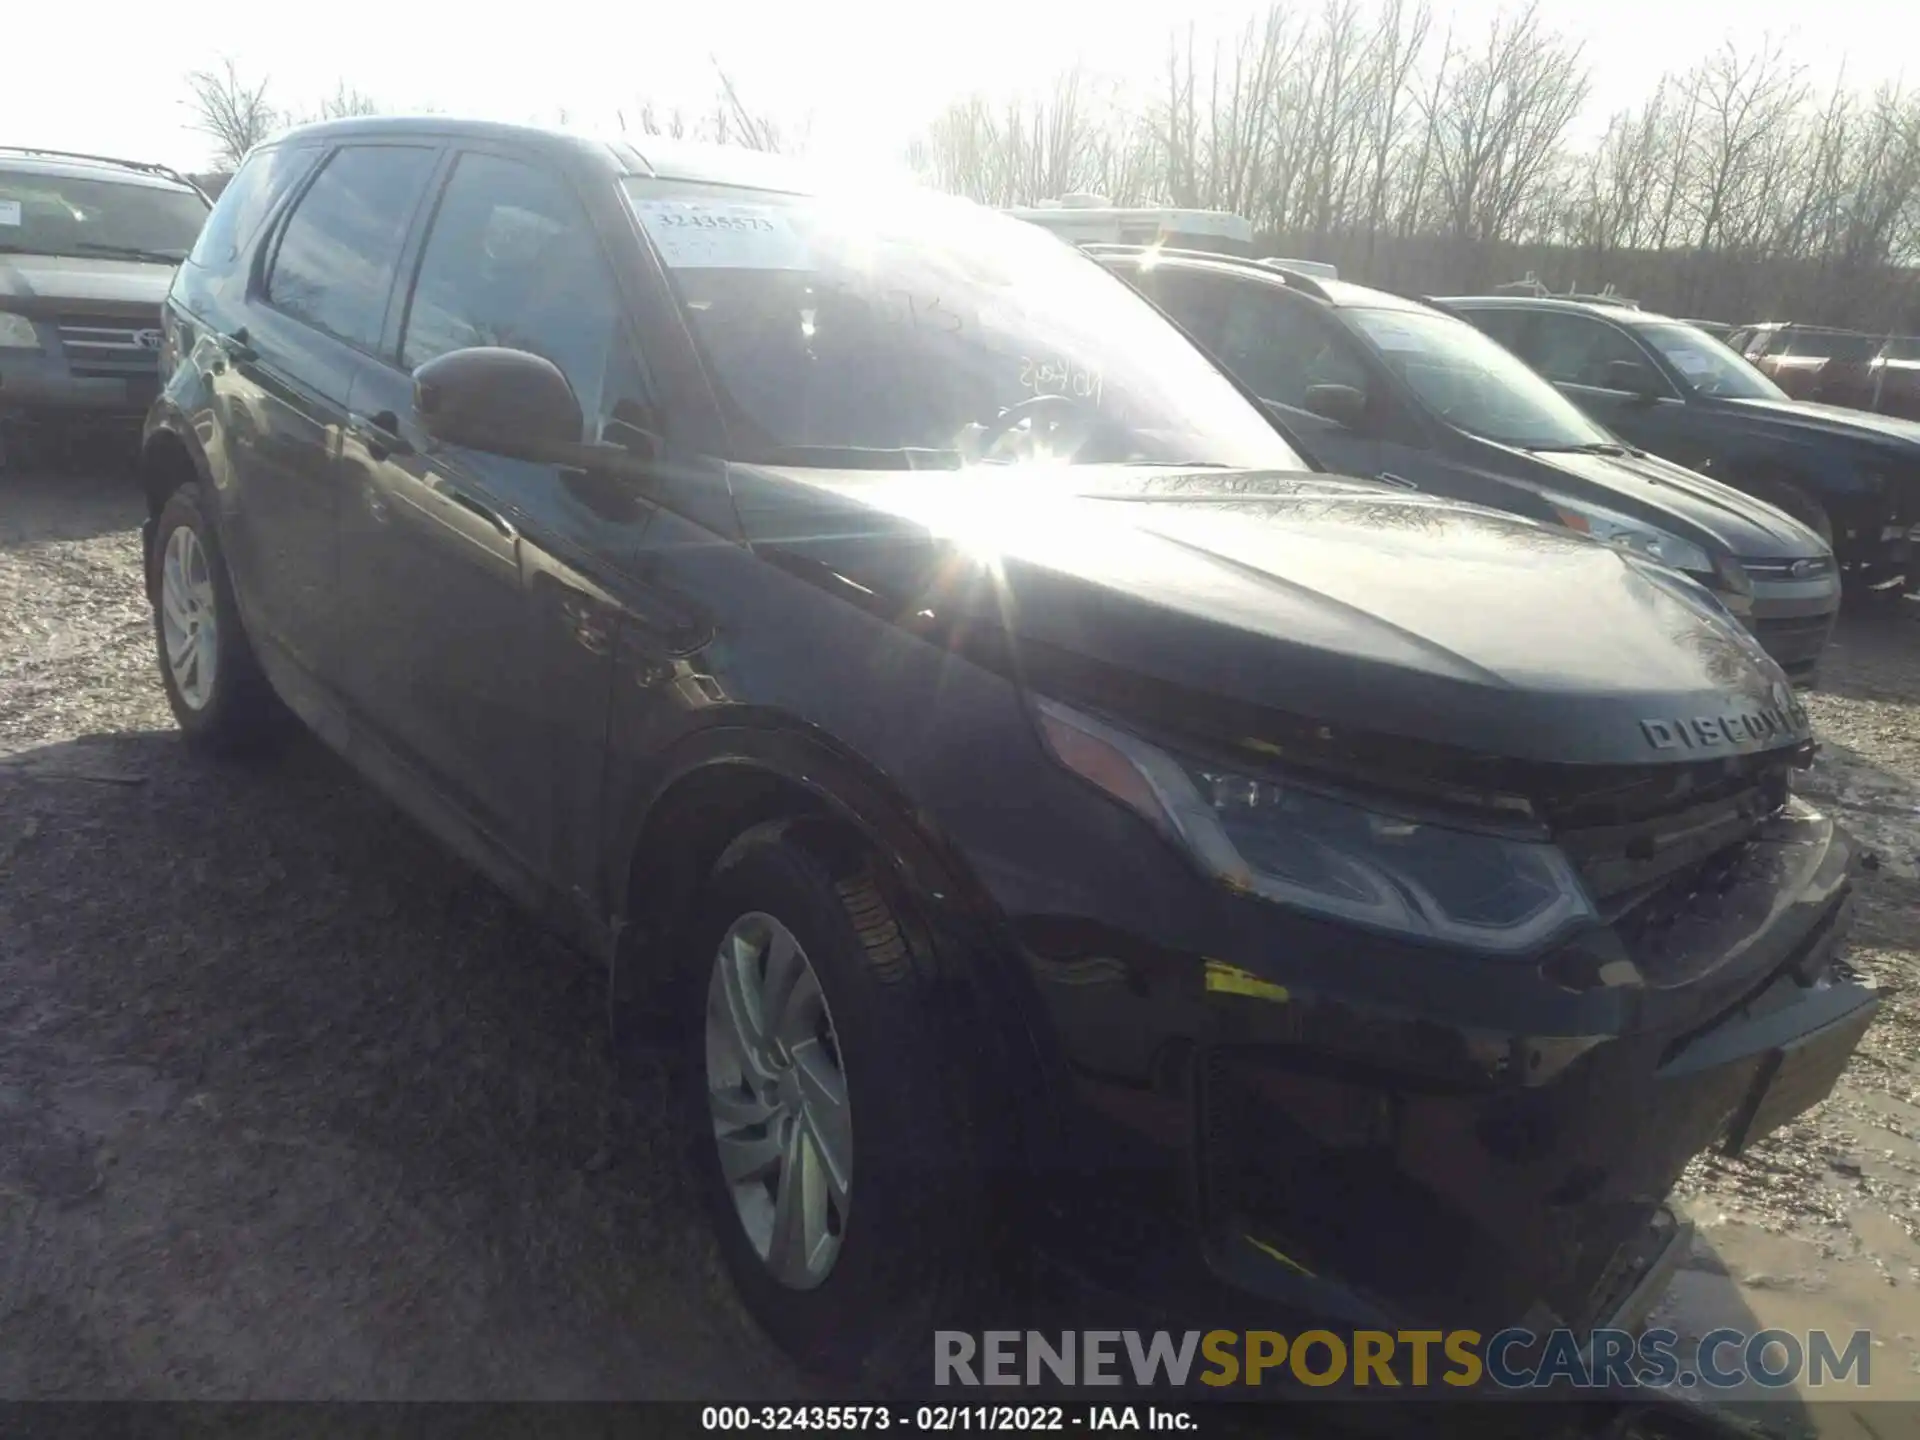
830, 1143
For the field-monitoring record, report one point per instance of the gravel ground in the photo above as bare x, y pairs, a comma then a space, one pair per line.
292, 1105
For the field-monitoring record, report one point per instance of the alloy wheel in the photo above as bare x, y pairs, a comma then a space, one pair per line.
777, 1094
189, 632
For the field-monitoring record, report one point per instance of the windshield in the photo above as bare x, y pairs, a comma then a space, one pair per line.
58, 215
927, 332
1475, 384
1707, 365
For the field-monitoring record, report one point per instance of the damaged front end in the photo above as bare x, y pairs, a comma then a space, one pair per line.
1428, 1137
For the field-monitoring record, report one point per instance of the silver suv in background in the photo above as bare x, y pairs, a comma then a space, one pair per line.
88, 247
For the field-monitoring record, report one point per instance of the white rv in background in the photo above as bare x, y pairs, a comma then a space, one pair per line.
1093, 219
1312, 269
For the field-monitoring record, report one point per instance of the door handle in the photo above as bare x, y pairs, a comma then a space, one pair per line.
1392, 479
379, 434
466, 502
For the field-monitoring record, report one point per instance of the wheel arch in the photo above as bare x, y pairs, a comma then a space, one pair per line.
726, 781
170, 456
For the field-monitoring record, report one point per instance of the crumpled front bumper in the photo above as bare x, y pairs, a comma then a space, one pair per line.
1363, 1159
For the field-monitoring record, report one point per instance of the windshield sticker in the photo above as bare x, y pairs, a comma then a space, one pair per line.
710, 235
1692, 363
9, 212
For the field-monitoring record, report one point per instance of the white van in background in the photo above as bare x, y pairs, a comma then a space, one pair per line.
1093, 219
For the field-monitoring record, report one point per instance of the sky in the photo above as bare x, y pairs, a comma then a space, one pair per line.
868, 74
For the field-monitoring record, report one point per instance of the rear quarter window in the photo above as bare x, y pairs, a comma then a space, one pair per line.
245, 203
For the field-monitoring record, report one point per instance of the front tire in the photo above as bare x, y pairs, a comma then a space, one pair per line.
219, 697
830, 1144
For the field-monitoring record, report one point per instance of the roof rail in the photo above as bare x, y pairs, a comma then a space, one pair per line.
144, 167
1293, 279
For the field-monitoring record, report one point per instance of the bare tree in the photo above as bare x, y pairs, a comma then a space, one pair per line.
1399, 38
736, 124
1500, 122
233, 111
1026, 149
1747, 105
1352, 131
730, 122
345, 101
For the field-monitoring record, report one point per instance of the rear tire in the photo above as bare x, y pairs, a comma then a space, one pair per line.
895, 1184
219, 697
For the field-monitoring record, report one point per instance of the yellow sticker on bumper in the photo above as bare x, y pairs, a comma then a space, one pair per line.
1225, 979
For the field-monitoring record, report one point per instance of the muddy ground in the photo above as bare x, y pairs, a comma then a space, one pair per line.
293, 1105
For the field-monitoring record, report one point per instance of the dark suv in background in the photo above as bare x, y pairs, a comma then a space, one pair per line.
1667, 387
88, 246
1034, 809
1368, 383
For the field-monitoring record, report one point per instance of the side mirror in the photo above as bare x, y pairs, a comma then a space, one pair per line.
1341, 404
503, 402
1634, 378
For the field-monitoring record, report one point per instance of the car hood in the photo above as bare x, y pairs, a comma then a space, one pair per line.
1831, 420
81, 284
1647, 487
1334, 601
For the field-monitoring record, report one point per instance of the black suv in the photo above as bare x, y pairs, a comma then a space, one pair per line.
88, 246
1034, 808
1668, 387
1369, 383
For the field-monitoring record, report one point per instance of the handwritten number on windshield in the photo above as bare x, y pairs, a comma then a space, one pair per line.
704, 221
1056, 375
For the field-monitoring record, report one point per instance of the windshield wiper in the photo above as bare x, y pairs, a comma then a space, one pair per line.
127, 252
862, 457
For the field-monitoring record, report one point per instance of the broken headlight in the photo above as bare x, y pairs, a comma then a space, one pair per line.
1330, 856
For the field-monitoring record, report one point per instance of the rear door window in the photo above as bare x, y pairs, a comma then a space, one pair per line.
335, 263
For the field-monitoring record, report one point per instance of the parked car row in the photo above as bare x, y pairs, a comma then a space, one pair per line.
1667, 388
1042, 813
1372, 384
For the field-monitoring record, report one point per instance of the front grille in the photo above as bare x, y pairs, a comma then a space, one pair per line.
1795, 643
1805, 627
1652, 868
107, 346
1812, 567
